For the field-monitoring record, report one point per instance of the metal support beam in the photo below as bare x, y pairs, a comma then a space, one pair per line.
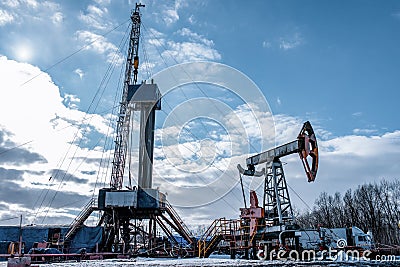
278, 208
146, 145
305, 145
277, 152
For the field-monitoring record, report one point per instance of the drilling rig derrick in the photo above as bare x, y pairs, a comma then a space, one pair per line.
130, 82
133, 218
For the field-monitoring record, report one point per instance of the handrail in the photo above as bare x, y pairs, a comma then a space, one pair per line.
181, 223
82, 216
219, 229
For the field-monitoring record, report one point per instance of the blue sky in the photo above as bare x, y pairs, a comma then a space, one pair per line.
297, 52
335, 63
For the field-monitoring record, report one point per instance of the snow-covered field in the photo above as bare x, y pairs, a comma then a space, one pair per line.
141, 262
195, 262
167, 262
213, 262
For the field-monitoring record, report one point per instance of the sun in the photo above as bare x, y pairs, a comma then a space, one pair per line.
23, 53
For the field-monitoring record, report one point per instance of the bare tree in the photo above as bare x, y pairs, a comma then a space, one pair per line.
373, 206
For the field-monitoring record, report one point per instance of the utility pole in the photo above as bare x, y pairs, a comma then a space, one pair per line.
20, 236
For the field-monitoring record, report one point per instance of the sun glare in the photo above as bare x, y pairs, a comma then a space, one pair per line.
23, 53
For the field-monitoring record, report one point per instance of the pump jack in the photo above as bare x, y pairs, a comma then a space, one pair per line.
274, 220
276, 215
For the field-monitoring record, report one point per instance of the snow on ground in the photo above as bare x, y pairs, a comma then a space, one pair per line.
196, 262
140, 262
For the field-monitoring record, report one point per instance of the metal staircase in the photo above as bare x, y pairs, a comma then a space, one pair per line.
80, 219
183, 229
220, 229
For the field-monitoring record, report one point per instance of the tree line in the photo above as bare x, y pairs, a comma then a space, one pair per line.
372, 206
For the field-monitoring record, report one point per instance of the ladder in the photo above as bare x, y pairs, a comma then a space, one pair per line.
80, 219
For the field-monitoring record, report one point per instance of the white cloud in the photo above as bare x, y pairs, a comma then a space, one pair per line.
103, 2
95, 42
155, 34
49, 6
156, 38
192, 20
364, 131
164, 51
71, 101
365, 146
42, 117
195, 37
42, 100
357, 114
96, 11
31, 3
26, 11
57, 18
80, 73
278, 101
96, 17
266, 44
170, 16
115, 58
170, 13
188, 51
5, 17
11, 3
291, 42
100, 45
286, 128
159, 42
